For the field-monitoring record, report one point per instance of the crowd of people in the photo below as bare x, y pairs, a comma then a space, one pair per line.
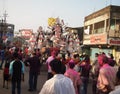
68, 73
13, 63
103, 71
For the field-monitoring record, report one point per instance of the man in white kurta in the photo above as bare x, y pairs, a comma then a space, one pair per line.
116, 90
58, 84
117, 87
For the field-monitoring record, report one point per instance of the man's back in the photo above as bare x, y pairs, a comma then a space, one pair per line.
33, 63
59, 84
75, 77
17, 70
106, 78
110, 74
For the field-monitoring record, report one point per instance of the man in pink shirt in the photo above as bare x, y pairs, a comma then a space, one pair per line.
107, 75
50, 58
74, 76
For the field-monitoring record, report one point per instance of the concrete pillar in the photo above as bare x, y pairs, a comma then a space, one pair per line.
105, 25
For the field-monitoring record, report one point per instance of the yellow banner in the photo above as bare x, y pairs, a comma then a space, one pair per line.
51, 21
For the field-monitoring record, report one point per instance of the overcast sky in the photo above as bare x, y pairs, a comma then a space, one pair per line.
30, 14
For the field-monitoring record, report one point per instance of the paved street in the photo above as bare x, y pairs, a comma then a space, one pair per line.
41, 80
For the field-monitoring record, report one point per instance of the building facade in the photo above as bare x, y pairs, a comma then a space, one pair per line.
102, 31
6, 33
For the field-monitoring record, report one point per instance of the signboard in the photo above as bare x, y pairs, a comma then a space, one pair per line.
26, 33
95, 39
114, 42
98, 39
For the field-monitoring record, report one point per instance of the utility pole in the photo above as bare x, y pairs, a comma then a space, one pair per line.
1, 31
5, 16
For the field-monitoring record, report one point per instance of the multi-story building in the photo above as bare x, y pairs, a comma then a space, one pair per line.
102, 31
6, 32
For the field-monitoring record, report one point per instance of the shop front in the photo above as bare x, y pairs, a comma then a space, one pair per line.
98, 43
